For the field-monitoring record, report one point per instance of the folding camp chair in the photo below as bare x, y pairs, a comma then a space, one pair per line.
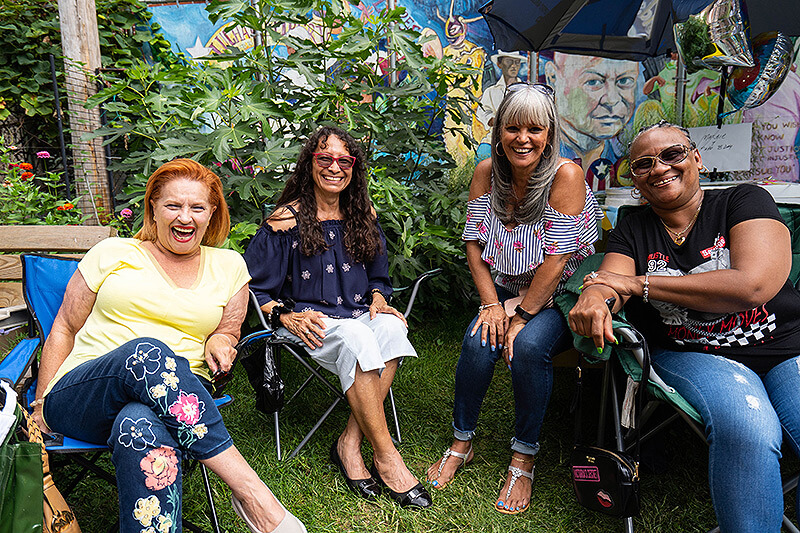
299, 353
628, 355
45, 279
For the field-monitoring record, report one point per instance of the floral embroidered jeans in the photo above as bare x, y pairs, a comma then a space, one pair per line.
144, 402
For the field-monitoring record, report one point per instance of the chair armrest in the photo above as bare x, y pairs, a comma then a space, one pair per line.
259, 312
628, 335
414, 286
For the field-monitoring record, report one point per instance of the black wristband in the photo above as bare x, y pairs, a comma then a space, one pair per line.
372, 294
275, 315
523, 314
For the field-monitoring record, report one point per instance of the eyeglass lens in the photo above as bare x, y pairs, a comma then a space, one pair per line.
345, 162
671, 155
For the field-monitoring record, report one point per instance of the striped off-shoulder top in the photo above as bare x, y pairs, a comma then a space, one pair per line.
515, 254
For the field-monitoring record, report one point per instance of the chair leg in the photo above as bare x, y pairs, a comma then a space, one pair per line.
210, 496
315, 428
277, 434
394, 415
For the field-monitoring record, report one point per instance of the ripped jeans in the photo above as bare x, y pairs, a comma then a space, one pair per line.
746, 416
143, 401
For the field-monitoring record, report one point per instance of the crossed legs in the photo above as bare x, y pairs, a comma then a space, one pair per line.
367, 419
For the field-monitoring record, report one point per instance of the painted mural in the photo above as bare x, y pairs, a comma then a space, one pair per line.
601, 102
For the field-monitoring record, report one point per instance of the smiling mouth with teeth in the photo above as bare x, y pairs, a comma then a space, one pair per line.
182, 233
664, 181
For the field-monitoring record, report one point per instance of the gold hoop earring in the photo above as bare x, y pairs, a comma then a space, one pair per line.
704, 170
636, 193
498, 148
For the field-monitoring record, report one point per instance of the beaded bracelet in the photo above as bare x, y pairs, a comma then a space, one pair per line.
646, 287
487, 306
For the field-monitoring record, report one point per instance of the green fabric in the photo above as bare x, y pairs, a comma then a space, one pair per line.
566, 301
21, 505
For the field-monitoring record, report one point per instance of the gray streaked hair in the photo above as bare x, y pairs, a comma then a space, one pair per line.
525, 106
661, 124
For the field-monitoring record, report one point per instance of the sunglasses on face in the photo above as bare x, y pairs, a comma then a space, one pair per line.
324, 160
541, 87
672, 155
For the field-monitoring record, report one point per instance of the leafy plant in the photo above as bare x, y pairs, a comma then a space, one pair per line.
246, 113
29, 199
30, 31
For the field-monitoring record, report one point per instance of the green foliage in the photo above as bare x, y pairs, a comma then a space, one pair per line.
247, 113
29, 199
30, 31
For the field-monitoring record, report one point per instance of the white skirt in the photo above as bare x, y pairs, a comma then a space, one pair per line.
351, 341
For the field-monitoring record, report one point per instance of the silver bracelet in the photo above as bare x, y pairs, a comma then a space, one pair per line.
646, 287
487, 306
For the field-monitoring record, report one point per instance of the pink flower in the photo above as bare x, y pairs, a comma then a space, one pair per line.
44, 154
187, 408
548, 224
551, 249
518, 246
482, 228
160, 467
126, 213
498, 245
490, 260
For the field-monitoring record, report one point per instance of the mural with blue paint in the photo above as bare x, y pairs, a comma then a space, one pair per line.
601, 102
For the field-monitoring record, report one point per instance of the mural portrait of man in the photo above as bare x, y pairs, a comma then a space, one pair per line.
596, 98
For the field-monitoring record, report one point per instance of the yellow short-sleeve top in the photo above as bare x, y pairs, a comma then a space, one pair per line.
136, 298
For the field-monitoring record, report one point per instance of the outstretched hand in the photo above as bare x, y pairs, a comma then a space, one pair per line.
380, 305
308, 325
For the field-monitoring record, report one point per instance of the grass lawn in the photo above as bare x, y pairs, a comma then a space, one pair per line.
312, 488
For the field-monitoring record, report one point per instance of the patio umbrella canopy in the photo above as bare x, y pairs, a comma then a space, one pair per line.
617, 29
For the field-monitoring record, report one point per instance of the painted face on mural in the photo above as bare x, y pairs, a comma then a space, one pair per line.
595, 96
509, 66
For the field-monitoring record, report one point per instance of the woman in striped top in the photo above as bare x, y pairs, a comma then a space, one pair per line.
531, 220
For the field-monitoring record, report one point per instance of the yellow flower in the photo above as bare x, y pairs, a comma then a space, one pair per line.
170, 380
200, 430
147, 509
170, 363
164, 524
158, 391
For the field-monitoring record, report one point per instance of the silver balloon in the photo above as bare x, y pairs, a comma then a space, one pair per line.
752, 86
718, 36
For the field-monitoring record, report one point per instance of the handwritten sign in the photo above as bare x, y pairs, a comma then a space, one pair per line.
726, 148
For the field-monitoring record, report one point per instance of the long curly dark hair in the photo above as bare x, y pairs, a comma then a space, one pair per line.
361, 237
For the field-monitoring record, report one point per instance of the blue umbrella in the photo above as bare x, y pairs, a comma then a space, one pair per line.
618, 29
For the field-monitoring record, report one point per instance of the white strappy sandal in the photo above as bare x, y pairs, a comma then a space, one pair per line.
516, 473
446, 455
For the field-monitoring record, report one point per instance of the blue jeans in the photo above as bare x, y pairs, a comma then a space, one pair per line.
745, 416
144, 402
543, 337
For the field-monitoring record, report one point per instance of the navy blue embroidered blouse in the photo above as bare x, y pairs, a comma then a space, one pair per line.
330, 282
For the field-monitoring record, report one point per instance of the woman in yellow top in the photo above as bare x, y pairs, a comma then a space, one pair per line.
127, 361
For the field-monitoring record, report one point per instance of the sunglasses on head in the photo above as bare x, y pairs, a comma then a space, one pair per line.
672, 155
541, 87
324, 160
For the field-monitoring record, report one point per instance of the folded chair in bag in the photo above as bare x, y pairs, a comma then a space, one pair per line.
45, 279
628, 354
298, 351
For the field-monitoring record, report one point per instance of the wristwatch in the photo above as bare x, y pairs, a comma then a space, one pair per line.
523, 314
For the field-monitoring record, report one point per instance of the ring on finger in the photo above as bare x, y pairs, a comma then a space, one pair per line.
592, 274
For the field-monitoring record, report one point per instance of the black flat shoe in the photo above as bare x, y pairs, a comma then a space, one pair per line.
366, 488
414, 498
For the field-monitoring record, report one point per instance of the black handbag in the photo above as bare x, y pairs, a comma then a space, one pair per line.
258, 359
606, 480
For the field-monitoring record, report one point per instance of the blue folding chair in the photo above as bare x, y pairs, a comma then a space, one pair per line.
45, 279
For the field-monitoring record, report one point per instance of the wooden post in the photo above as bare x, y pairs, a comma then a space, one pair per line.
81, 45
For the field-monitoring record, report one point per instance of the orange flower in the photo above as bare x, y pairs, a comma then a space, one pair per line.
160, 467
65, 207
26, 176
26, 166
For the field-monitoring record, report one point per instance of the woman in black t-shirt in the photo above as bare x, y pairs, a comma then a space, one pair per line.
713, 267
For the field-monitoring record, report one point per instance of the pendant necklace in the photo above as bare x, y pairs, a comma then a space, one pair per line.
678, 236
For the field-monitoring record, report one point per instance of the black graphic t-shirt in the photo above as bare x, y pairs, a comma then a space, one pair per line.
761, 337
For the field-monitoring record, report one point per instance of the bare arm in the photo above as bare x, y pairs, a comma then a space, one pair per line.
78, 302
220, 347
761, 260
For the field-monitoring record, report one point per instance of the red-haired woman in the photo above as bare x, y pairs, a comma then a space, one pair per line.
145, 324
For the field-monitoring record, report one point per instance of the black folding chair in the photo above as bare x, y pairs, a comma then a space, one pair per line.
45, 279
299, 354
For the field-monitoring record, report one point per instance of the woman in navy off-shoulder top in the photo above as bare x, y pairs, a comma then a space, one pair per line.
320, 270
